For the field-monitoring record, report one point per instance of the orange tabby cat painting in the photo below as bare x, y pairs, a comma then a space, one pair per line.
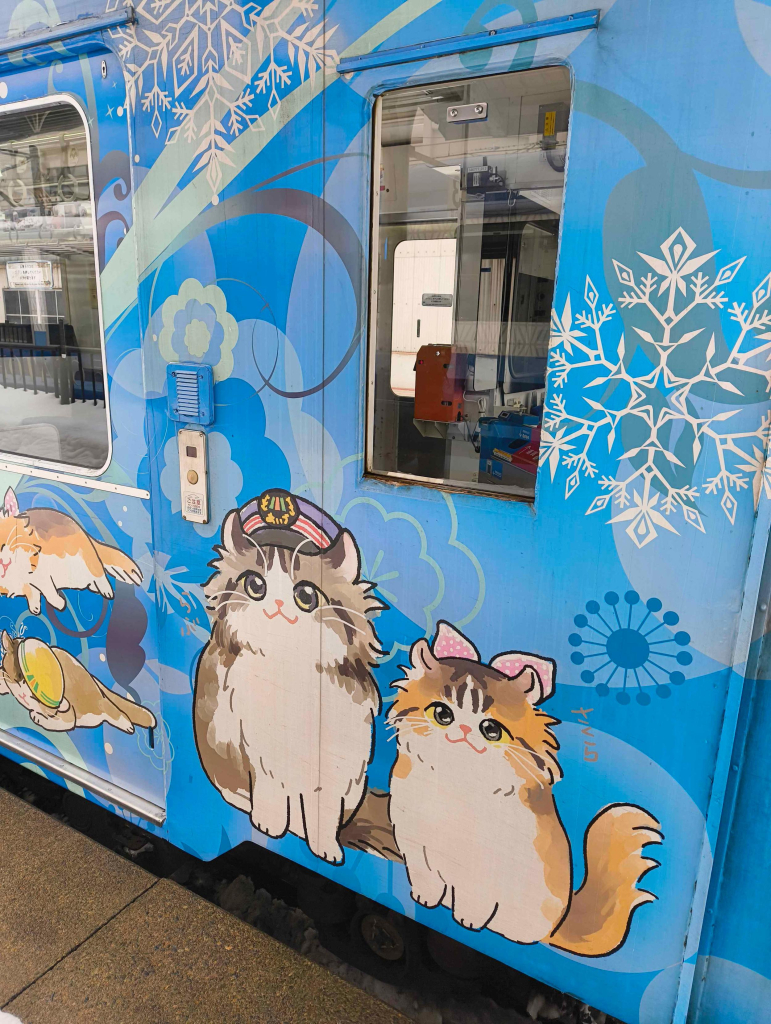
43, 552
472, 786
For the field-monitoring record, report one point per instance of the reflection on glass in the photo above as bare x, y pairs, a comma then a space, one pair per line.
465, 242
52, 389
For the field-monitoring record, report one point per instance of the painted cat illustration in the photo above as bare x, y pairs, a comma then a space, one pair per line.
285, 701
43, 552
60, 693
473, 811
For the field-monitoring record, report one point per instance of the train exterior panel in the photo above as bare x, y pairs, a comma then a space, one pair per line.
525, 710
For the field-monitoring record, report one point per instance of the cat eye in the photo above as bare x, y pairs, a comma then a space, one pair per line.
306, 596
254, 586
442, 715
493, 731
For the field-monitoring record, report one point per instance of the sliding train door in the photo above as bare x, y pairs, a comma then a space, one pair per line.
80, 679
543, 452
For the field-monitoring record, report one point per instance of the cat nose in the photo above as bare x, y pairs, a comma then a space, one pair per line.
465, 729
279, 603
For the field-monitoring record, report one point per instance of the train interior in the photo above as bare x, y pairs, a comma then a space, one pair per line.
468, 211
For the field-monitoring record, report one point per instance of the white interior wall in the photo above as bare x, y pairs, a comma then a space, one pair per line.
421, 267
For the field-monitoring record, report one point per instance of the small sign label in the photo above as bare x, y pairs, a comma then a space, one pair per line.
498, 454
436, 299
550, 122
194, 505
30, 275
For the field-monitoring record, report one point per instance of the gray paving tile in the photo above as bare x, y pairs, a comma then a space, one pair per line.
56, 887
172, 957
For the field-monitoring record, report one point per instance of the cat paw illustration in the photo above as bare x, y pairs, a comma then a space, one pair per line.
427, 887
471, 917
428, 901
331, 854
273, 824
474, 924
38, 719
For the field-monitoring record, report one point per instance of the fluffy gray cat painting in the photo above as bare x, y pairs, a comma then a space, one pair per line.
285, 701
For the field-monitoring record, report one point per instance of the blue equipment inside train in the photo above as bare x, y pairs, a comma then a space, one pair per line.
508, 445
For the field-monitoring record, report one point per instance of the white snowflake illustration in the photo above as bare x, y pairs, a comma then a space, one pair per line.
655, 402
219, 66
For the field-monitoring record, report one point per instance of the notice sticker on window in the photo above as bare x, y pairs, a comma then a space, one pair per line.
30, 275
435, 299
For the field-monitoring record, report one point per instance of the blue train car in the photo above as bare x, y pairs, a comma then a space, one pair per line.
383, 434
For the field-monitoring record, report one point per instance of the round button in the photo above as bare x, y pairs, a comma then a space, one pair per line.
192, 476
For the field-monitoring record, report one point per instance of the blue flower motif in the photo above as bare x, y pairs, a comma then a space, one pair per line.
196, 332
197, 325
631, 652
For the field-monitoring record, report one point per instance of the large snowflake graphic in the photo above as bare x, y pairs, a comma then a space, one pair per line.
665, 402
219, 66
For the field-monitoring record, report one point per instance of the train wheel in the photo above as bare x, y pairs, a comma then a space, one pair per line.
382, 936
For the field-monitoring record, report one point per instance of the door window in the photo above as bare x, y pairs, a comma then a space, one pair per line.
466, 226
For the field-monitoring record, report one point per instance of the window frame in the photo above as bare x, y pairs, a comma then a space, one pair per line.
67, 99
392, 477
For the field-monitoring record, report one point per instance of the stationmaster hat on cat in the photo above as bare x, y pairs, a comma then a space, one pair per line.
284, 519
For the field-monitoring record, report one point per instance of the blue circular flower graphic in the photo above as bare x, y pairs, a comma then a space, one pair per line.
629, 654
197, 332
197, 326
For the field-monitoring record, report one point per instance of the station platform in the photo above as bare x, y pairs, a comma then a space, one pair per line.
87, 937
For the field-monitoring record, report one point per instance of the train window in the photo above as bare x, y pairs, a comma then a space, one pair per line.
52, 380
466, 217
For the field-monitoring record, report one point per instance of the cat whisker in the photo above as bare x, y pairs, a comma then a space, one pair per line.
233, 599
396, 720
258, 546
523, 763
342, 621
305, 540
223, 594
528, 753
405, 724
347, 625
350, 611
230, 605
341, 608
408, 730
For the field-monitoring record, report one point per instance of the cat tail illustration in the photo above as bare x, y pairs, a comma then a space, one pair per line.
137, 714
118, 564
601, 910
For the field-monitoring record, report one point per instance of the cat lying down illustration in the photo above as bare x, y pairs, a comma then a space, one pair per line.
473, 812
60, 693
43, 551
